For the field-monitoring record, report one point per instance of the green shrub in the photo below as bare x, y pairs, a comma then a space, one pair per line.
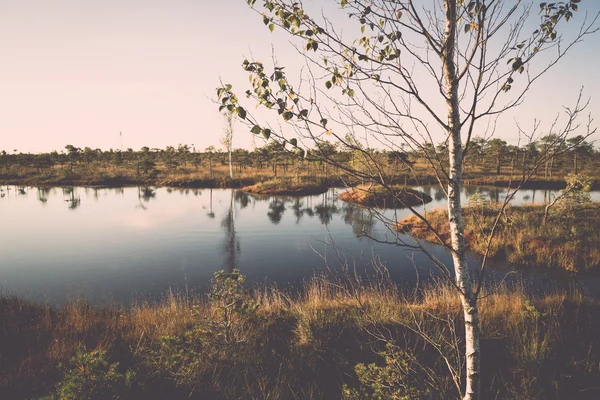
90, 376
396, 379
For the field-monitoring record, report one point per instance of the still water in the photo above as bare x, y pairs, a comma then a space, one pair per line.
125, 243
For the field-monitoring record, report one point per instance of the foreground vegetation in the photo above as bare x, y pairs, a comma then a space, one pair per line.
331, 340
568, 238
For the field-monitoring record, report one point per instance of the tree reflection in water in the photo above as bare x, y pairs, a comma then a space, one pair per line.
361, 221
145, 194
325, 212
42, 194
298, 211
439, 194
73, 200
231, 246
242, 198
276, 210
210, 212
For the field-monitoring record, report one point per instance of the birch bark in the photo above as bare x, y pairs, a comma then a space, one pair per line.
463, 277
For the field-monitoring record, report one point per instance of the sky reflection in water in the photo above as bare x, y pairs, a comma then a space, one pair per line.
134, 242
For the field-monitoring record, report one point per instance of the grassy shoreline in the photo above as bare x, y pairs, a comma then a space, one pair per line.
568, 240
193, 179
296, 345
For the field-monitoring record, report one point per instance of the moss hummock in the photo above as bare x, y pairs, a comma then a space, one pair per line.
287, 187
384, 197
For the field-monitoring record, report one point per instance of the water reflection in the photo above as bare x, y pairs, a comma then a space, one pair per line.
145, 194
210, 213
361, 220
276, 210
297, 208
439, 194
42, 194
325, 212
175, 240
242, 198
73, 199
231, 245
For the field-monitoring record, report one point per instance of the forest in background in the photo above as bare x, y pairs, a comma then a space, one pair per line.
487, 162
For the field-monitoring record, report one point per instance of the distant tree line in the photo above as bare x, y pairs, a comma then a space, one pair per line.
491, 157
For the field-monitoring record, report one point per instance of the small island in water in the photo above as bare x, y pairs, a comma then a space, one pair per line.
376, 195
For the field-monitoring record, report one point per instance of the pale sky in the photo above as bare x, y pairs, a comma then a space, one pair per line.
81, 71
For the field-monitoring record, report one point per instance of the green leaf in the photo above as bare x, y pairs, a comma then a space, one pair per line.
296, 21
517, 64
294, 142
271, 27
324, 122
241, 112
256, 129
266, 133
287, 115
328, 84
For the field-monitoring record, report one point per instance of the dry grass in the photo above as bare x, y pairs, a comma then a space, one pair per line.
191, 176
303, 344
569, 240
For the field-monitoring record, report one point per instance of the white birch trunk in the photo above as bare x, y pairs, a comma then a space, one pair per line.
463, 278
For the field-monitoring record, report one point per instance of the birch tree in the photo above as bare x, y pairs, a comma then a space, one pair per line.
412, 72
227, 140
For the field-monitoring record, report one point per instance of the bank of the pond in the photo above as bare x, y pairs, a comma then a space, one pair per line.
569, 239
319, 343
121, 181
192, 179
